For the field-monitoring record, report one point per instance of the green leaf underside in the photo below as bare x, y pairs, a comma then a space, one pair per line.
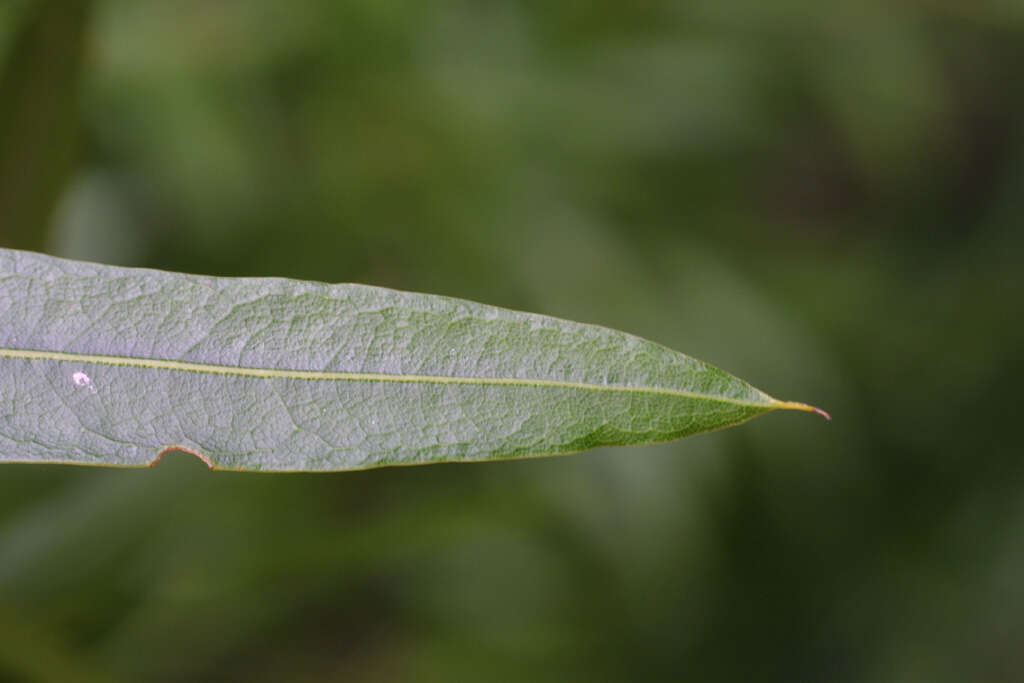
114, 366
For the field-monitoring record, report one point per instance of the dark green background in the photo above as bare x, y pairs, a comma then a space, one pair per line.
825, 199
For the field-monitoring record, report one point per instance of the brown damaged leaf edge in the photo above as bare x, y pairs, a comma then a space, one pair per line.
182, 449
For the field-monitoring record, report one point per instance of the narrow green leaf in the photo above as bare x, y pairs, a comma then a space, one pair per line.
115, 366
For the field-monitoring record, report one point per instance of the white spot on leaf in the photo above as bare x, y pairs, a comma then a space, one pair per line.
82, 380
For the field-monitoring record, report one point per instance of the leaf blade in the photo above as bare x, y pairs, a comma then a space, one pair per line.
274, 374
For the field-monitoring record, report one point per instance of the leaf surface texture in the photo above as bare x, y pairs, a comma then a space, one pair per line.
114, 366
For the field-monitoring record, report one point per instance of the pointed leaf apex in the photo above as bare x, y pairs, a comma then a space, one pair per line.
794, 405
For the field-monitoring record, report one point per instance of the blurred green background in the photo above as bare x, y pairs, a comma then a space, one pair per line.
825, 199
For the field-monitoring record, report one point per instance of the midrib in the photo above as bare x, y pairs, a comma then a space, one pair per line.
328, 376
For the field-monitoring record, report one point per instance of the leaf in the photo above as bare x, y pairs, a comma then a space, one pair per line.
116, 366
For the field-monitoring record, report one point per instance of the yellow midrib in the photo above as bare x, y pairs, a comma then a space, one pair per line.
326, 375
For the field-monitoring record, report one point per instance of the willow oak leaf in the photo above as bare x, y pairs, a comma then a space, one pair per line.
115, 366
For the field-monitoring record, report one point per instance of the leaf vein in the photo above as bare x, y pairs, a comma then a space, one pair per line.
329, 375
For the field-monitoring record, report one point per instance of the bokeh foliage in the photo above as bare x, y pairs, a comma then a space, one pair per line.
826, 200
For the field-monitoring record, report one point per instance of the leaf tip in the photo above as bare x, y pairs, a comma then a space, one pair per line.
795, 405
